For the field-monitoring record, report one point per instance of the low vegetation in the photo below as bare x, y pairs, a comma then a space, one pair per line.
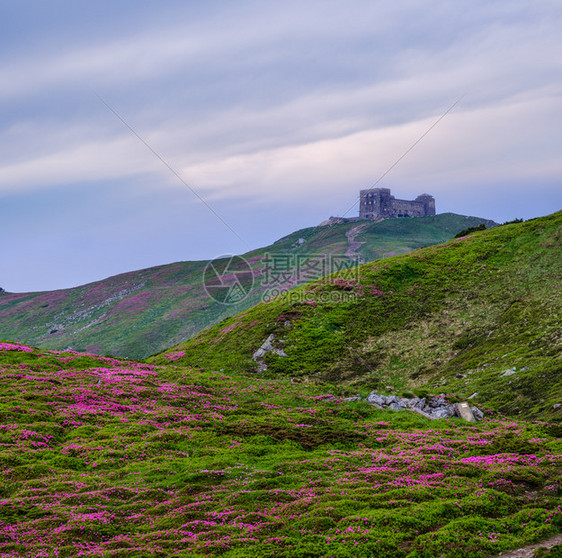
105, 457
196, 454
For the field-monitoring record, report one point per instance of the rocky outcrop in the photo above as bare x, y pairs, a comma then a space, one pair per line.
266, 347
430, 407
433, 407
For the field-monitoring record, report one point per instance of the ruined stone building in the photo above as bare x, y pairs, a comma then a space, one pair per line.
377, 203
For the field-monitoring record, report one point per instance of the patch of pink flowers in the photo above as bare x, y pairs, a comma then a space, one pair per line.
15, 347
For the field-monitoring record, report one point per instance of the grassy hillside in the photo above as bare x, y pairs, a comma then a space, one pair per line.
102, 457
479, 316
142, 312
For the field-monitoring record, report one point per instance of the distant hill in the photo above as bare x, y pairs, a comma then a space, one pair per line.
140, 313
479, 317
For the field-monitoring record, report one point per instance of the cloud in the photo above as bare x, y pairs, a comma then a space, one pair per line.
476, 146
94, 161
253, 101
277, 113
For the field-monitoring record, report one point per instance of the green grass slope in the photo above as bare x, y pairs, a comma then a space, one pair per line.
479, 316
142, 312
104, 457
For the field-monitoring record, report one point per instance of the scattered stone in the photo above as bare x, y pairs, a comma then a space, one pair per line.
351, 399
265, 348
478, 414
475, 394
431, 407
464, 411
509, 372
375, 399
418, 403
556, 405
436, 402
443, 412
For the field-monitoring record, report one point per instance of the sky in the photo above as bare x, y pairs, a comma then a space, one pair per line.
139, 133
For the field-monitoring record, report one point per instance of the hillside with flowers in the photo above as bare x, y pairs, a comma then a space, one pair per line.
479, 317
195, 453
107, 457
140, 313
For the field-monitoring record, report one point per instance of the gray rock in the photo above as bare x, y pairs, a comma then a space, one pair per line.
436, 403
478, 414
556, 405
419, 403
265, 348
280, 352
350, 399
375, 399
433, 408
509, 372
475, 394
443, 412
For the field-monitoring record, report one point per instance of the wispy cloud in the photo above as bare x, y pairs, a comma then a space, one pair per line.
274, 103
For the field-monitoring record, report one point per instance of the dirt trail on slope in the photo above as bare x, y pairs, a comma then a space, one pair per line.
352, 244
528, 551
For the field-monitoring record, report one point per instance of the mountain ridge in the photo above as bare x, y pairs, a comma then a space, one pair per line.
478, 316
138, 313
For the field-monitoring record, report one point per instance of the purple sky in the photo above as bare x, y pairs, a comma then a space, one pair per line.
276, 113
